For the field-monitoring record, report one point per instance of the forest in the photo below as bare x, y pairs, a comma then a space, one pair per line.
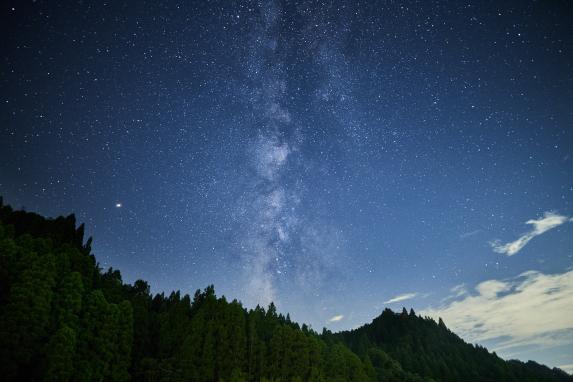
63, 318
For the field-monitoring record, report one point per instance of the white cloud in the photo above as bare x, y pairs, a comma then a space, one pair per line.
401, 297
336, 318
568, 368
530, 309
459, 290
549, 221
491, 288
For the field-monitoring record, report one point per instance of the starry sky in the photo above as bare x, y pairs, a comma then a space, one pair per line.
334, 157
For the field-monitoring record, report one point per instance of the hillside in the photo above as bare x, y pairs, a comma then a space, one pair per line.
64, 319
427, 348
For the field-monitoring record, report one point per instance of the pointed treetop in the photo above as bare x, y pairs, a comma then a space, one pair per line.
272, 310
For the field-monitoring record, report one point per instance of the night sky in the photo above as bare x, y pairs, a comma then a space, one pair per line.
334, 157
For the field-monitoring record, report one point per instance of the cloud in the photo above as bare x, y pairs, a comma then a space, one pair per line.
401, 297
459, 290
336, 318
532, 309
470, 234
568, 368
549, 221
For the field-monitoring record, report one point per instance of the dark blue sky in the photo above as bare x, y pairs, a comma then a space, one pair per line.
336, 158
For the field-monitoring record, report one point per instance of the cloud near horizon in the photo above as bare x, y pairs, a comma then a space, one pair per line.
567, 368
549, 221
336, 318
532, 309
401, 297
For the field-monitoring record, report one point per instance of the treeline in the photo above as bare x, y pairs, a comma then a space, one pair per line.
427, 348
63, 319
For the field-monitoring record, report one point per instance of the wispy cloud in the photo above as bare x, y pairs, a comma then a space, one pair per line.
401, 297
459, 290
336, 318
549, 221
465, 235
455, 293
530, 309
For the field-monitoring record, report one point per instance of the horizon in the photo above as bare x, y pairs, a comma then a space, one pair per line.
336, 159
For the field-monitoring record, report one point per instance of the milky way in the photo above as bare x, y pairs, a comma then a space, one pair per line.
335, 158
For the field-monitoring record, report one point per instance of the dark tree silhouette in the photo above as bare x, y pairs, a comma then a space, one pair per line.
63, 319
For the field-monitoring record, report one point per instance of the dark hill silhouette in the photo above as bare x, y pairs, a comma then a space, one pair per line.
426, 347
63, 319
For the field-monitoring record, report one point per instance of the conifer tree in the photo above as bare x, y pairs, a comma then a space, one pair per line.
60, 355
68, 301
24, 321
96, 340
123, 342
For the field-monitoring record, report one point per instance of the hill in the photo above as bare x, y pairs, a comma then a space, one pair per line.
62, 318
422, 346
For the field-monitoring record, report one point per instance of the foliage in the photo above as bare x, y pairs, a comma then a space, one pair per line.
63, 319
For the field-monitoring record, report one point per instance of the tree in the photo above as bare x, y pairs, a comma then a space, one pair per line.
96, 340
207, 368
24, 321
123, 342
60, 355
62, 319
68, 301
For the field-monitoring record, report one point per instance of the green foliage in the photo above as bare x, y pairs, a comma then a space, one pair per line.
60, 356
24, 319
63, 319
68, 301
406, 347
121, 360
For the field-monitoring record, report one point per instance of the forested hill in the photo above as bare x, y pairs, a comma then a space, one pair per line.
430, 349
63, 319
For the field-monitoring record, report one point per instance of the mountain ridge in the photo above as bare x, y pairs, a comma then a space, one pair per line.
63, 318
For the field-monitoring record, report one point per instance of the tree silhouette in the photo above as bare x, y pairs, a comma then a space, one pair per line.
63, 319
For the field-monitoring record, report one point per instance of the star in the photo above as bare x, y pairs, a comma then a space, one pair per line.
309, 155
